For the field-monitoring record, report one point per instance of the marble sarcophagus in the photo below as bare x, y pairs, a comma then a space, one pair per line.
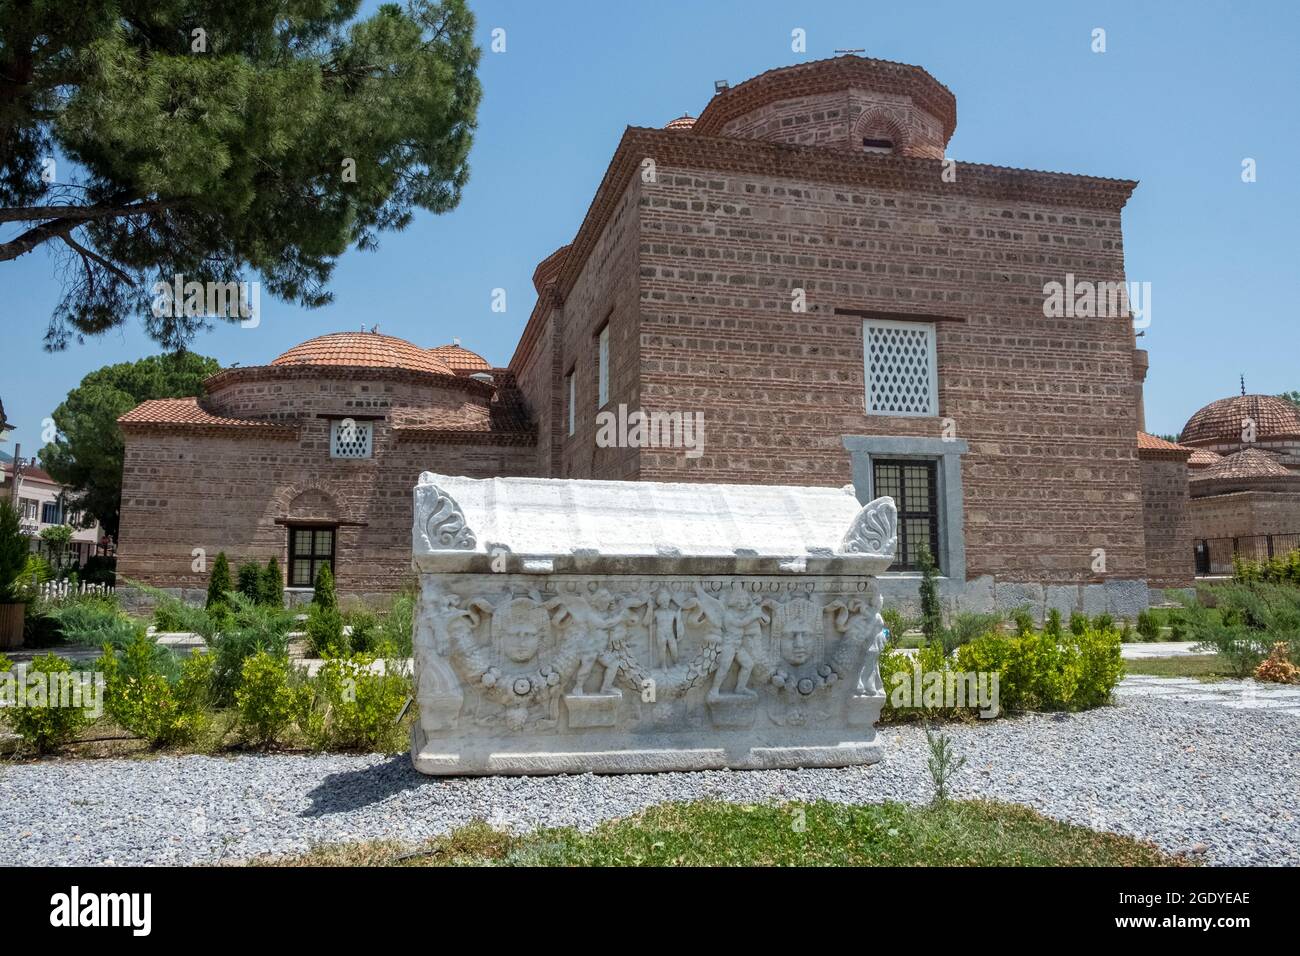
567, 626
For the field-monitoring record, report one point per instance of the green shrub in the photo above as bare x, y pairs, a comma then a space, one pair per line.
219, 585
1023, 620
931, 609
1103, 622
249, 580
1039, 672
247, 629
143, 700
272, 585
351, 707
92, 621
969, 625
323, 591
896, 623
1078, 622
364, 635
1052, 626
325, 632
1147, 626
36, 571
268, 698
46, 725
397, 626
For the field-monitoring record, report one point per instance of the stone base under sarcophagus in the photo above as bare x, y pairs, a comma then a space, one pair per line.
536, 654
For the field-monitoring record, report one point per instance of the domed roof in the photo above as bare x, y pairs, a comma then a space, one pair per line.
461, 360
364, 350
1222, 422
685, 121
1203, 458
1248, 464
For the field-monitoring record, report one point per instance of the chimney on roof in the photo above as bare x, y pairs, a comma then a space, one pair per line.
720, 86
455, 340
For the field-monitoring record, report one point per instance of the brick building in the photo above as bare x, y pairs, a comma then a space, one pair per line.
1245, 479
800, 268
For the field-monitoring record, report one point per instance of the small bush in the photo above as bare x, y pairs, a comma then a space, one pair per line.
272, 585
397, 626
323, 590
249, 580
896, 623
967, 626
247, 629
365, 634
1078, 622
268, 698
1147, 626
219, 585
1277, 668
45, 726
325, 631
142, 699
1023, 620
14, 549
931, 610
92, 621
1052, 626
353, 707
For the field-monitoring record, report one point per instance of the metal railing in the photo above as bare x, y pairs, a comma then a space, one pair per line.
1214, 556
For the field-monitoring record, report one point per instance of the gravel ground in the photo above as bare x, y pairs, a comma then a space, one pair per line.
1189, 776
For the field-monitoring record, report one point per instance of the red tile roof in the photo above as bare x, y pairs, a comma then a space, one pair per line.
1249, 463
364, 350
685, 121
461, 360
1151, 446
188, 413
1203, 458
1223, 422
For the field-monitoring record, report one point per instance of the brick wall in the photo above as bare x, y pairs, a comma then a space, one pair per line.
1243, 513
225, 491
1049, 406
1167, 525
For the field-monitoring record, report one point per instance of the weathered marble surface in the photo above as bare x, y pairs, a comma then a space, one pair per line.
569, 626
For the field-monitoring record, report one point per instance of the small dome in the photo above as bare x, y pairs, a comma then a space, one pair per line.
685, 121
1250, 465
1221, 422
1203, 458
364, 350
461, 360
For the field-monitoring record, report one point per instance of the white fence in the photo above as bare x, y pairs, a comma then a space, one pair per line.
57, 590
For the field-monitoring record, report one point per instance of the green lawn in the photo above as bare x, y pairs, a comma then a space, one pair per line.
713, 833
1204, 667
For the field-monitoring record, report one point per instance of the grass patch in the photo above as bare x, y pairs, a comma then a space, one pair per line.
711, 833
1204, 667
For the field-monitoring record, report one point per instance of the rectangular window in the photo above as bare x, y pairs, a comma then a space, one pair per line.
901, 371
350, 438
50, 513
309, 550
570, 391
29, 509
914, 487
602, 367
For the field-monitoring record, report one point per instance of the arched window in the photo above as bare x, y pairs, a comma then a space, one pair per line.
877, 143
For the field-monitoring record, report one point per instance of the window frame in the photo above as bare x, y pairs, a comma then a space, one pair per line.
930, 330
364, 426
314, 558
602, 366
905, 554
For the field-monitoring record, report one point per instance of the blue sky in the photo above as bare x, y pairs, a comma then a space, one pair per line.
1183, 93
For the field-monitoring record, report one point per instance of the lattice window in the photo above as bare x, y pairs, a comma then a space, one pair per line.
900, 368
350, 438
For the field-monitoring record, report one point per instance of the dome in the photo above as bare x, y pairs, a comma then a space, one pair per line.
685, 121
461, 360
364, 350
1203, 458
1247, 466
1221, 422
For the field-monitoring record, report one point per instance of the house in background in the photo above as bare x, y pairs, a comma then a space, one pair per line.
42, 503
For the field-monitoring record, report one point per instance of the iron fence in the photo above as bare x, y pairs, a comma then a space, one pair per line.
1215, 555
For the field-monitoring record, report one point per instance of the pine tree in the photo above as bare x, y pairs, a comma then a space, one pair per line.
272, 584
219, 584
14, 548
250, 581
324, 596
